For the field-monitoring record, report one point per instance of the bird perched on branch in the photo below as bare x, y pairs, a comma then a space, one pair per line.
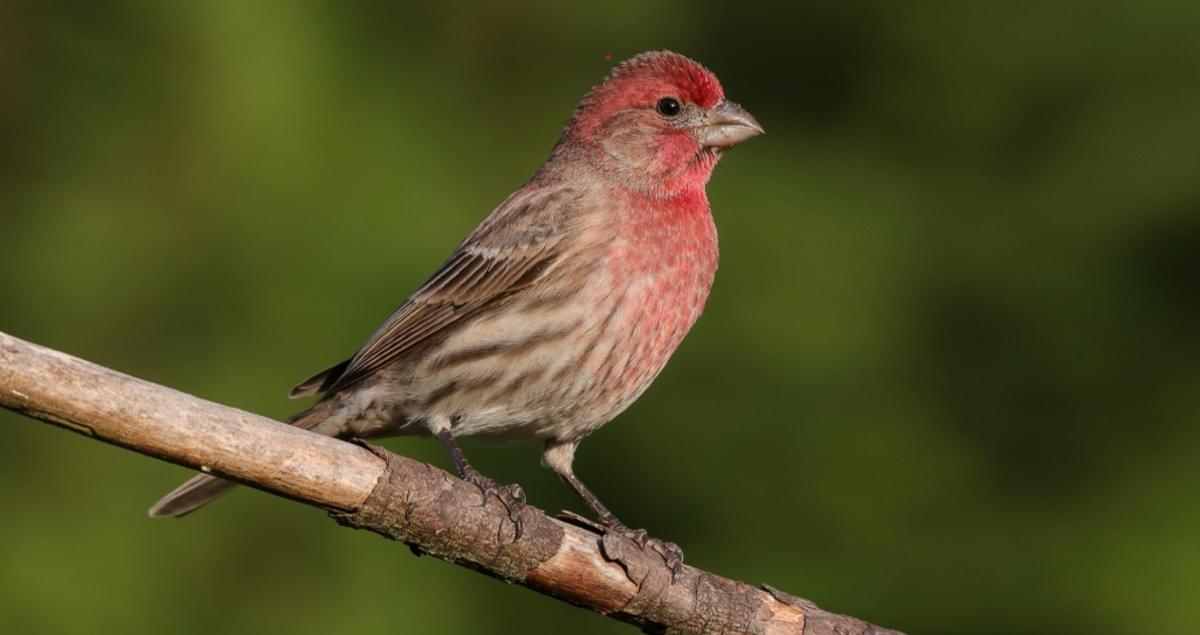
562, 306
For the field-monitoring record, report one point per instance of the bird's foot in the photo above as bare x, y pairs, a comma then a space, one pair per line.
671, 554
511, 496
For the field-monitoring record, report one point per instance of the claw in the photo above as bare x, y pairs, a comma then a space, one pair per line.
671, 554
511, 496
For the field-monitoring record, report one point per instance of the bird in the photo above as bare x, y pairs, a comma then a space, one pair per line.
563, 305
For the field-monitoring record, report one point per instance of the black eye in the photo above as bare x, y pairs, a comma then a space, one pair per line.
667, 107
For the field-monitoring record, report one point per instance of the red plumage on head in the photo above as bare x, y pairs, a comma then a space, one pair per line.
642, 80
665, 69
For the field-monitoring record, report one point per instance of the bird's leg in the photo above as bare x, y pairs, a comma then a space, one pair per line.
558, 456
512, 496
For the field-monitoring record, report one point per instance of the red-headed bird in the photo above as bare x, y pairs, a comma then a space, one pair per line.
562, 306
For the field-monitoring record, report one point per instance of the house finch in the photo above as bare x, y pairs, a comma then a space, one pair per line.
562, 306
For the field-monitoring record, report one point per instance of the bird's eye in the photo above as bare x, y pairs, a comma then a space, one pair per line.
667, 106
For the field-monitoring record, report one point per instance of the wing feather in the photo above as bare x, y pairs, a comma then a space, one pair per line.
515, 245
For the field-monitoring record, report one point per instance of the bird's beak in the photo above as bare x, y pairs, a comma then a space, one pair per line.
726, 125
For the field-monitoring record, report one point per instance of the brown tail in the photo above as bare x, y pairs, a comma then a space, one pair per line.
197, 492
202, 489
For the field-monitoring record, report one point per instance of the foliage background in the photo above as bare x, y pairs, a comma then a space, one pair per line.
947, 381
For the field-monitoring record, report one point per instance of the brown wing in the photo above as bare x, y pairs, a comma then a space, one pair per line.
510, 249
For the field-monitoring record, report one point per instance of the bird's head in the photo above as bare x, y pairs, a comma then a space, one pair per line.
660, 120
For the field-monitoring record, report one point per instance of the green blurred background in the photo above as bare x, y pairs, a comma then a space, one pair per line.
948, 379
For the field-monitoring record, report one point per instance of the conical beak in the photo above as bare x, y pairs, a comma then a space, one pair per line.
726, 125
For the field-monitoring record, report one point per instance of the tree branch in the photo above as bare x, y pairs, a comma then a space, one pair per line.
418, 504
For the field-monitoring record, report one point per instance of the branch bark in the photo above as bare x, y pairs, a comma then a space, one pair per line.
402, 499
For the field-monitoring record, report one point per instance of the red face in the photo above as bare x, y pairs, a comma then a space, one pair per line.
661, 118
643, 80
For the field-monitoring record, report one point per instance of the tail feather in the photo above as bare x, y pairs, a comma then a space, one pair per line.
197, 492
202, 489
320, 382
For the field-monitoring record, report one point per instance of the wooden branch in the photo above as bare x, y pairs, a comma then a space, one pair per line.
418, 504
